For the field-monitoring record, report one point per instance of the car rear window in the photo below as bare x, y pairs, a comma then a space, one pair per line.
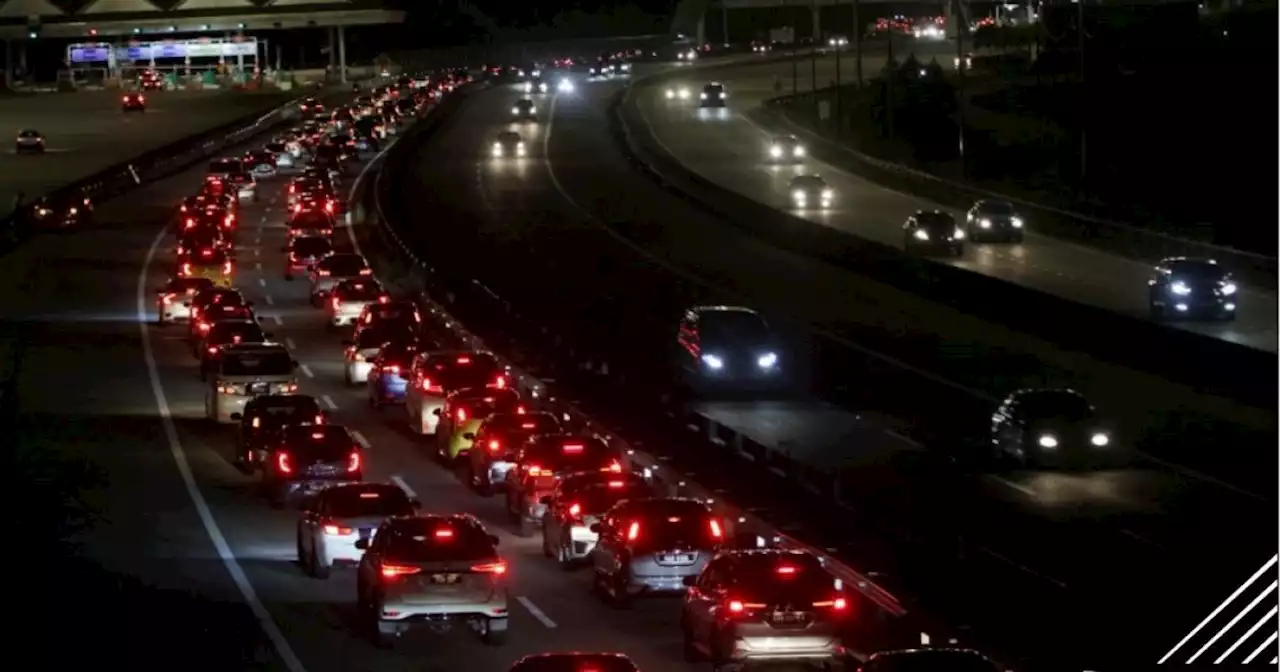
323, 442
257, 364
310, 220
368, 500
772, 579
226, 332
457, 371
363, 291
561, 454
437, 540
225, 167
528, 424
312, 246
666, 524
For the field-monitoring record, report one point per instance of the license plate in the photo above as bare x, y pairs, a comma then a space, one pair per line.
787, 617
677, 557
259, 388
445, 578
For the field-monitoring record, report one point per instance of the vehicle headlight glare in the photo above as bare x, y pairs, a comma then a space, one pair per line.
958, 235
1047, 441
670, 94
828, 194
1016, 222
1180, 288
984, 223
798, 151
775, 151
767, 360
713, 361
921, 234
1100, 439
1228, 288
798, 195
703, 96
515, 110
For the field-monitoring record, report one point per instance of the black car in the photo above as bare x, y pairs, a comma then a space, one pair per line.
524, 110
133, 102
726, 345
60, 212
224, 333
264, 418
305, 458
29, 141
1050, 427
1190, 288
933, 231
994, 221
713, 95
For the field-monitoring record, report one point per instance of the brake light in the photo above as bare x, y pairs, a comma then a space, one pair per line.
336, 302
226, 268
257, 422
324, 274
491, 568
573, 448
444, 533
617, 485
363, 271
186, 269
392, 571
384, 298
353, 462
462, 415
328, 207
500, 382
836, 604
575, 510
391, 369
613, 468
293, 188
334, 530
736, 607
785, 570
167, 299
190, 223
204, 326
213, 351
283, 463
535, 470
426, 385
633, 532
716, 532
494, 446
463, 359
320, 421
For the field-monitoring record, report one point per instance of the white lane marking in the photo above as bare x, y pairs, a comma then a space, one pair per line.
270, 301
403, 486
288, 343
257, 252
257, 240
328, 401
364, 443
306, 370
277, 320
1016, 486
257, 266
241, 580
262, 282
537, 613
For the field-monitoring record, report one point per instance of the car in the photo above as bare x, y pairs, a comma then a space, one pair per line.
524, 110
649, 546
598, 70
244, 373
210, 317
349, 298
786, 149
726, 346
678, 93
402, 314
434, 375
173, 299
388, 373
261, 163
49, 213
543, 458
362, 350
212, 264
133, 102
713, 95
917, 660
991, 220
226, 333
314, 201
933, 231
508, 144
337, 517
497, 436
535, 85
264, 417
764, 606
464, 410
1041, 427
303, 459
206, 299
435, 571
304, 252
809, 192
310, 223
1192, 288
210, 219
574, 661
575, 505
150, 80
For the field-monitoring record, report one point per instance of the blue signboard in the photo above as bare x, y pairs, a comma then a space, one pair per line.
90, 55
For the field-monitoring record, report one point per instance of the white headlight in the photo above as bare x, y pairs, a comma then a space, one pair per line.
712, 361
1047, 441
684, 93
515, 110
984, 223
798, 151
73, 211
798, 194
1016, 222
566, 86
767, 360
1100, 439
921, 234
703, 95
1180, 288
959, 234
775, 151
828, 194
670, 94
1229, 288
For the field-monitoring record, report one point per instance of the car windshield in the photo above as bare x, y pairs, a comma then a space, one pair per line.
734, 324
29, 134
1054, 404
1197, 270
713, 88
373, 338
358, 291
457, 371
275, 147
808, 182
312, 246
524, 103
225, 167
996, 208
367, 499
322, 442
935, 220
435, 540
269, 363
187, 284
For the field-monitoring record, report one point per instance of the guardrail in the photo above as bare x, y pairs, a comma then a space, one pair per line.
441, 298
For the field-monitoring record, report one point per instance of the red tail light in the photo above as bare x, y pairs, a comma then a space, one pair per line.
328, 207
463, 359
716, 532
444, 533
575, 510
293, 188
736, 606
837, 604
384, 298
462, 415
500, 382
353, 462
364, 271
633, 532
283, 463
189, 223
324, 274
391, 369
334, 530
490, 568
613, 468
167, 299
573, 448
226, 268
617, 485
427, 386
495, 446
535, 470
186, 269
213, 351
320, 419
786, 570
336, 302
520, 410
393, 571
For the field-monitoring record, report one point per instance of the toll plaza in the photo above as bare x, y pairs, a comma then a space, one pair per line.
190, 43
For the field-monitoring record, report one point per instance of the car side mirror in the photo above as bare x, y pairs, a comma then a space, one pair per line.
436, 412
545, 499
596, 528
415, 502
470, 436
690, 581
362, 544
237, 417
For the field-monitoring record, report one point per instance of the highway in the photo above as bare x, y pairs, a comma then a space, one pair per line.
177, 552
86, 132
574, 214
730, 149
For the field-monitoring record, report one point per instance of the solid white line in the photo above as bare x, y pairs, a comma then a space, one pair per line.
288, 343
306, 370
268, 624
1249, 633
257, 266
277, 320
351, 197
1225, 603
403, 486
1016, 486
262, 282
270, 301
257, 252
537, 613
1232, 623
1270, 640
364, 443
328, 401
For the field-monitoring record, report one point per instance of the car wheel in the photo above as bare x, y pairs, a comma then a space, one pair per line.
380, 639
288, 276
619, 597
524, 526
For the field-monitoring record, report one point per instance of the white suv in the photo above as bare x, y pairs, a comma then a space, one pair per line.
335, 518
436, 571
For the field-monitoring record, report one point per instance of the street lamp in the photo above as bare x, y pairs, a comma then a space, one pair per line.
836, 43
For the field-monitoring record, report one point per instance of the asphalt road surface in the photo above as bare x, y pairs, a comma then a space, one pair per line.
573, 230
726, 147
86, 132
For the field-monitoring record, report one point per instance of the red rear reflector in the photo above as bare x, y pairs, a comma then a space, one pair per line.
575, 510
369, 495
444, 534
392, 571
464, 360
736, 607
491, 568
633, 532
573, 448
786, 570
617, 484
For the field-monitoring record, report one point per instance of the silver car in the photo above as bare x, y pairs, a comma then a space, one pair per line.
435, 375
432, 571
328, 272
764, 606
578, 502
173, 300
349, 298
337, 517
245, 372
29, 141
651, 545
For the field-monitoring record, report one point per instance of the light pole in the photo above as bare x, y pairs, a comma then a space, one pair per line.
838, 42
857, 45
